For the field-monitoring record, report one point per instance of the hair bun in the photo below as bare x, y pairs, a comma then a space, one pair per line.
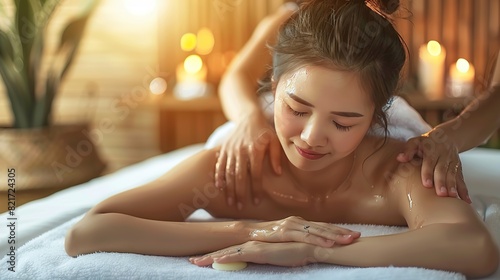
386, 6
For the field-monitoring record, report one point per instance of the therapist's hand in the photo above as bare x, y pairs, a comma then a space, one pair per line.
441, 165
241, 155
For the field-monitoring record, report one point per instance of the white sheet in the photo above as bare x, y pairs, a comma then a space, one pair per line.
481, 167
47, 251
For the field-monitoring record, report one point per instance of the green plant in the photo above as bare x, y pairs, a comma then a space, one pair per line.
30, 90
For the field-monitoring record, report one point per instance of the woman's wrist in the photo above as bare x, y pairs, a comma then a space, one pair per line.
318, 254
245, 230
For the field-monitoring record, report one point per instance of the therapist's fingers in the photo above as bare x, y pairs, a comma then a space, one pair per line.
410, 149
220, 170
463, 192
240, 177
230, 184
440, 172
429, 166
257, 154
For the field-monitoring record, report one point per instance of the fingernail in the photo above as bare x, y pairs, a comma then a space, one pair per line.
256, 200
347, 235
239, 205
401, 155
443, 190
453, 191
230, 201
428, 183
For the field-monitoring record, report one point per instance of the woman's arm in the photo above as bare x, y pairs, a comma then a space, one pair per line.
445, 234
151, 219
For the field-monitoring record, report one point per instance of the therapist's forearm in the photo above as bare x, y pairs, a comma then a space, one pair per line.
478, 120
239, 85
238, 96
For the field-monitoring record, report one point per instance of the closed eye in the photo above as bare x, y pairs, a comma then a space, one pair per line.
295, 113
342, 127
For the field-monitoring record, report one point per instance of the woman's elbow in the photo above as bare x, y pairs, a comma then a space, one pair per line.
491, 259
71, 243
79, 236
486, 257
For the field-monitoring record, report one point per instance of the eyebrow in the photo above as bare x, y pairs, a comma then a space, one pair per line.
342, 114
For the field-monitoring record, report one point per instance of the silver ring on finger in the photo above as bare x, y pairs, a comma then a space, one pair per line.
306, 228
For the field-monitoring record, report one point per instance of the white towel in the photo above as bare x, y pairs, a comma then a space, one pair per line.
44, 258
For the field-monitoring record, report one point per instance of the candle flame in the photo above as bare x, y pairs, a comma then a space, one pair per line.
434, 48
206, 41
188, 42
193, 64
462, 65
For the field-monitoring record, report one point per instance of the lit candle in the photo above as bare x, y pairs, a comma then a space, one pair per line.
192, 70
431, 69
461, 80
191, 79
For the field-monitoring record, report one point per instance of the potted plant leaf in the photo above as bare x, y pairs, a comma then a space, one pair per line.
43, 154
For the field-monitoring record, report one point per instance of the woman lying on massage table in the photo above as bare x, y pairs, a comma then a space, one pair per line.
239, 157
330, 87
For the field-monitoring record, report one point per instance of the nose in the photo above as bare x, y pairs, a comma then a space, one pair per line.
313, 133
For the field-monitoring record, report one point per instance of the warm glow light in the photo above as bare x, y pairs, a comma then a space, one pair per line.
205, 41
188, 42
158, 86
434, 48
462, 65
140, 7
193, 64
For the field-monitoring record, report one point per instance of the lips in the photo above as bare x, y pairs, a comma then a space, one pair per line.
308, 154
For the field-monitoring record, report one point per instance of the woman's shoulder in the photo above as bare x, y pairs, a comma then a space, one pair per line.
381, 164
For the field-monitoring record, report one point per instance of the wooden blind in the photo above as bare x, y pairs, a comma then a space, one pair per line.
467, 29
122, 52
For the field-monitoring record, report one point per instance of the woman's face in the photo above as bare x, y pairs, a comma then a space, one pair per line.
321, 115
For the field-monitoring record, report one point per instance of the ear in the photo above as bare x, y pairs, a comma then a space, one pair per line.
274, 85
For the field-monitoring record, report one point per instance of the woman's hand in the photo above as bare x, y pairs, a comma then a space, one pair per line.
243, 150
282, 254
441, 166
288, 242
296, 229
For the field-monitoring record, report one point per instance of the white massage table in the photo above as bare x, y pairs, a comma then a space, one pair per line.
41, 226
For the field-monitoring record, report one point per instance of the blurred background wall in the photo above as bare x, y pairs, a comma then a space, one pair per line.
128, 43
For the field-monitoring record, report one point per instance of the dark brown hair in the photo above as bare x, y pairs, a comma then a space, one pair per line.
345, 35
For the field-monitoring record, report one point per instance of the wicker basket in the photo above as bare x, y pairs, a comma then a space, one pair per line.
54, 157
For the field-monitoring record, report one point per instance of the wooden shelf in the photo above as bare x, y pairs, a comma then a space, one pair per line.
438, 110
186, 122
